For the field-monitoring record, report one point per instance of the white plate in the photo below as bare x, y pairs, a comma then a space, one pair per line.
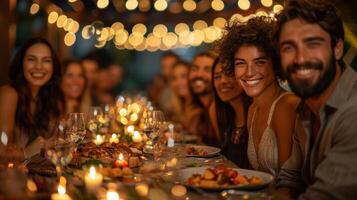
184, 174
211, 151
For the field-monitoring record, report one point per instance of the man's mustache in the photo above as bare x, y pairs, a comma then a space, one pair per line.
292, 68
198, 79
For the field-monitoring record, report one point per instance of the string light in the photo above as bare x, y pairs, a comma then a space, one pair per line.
199, 25
267, 3
189, 5
243, 4
52, 17
217, 5
101, 4
277, 8
160, 5
131, 4
34, 8
69, 39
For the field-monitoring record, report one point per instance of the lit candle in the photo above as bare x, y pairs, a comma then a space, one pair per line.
114, 139
112, 195
99, 140
93, 180
61, 195
170, 140
137, 137
121, 162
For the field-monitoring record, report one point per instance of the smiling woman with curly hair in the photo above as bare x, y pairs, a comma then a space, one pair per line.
248, 51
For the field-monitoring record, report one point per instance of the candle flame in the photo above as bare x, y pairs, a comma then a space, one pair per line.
61, 189
92, 172
114, 135
10, 165
121, 157
63, 181
4, 138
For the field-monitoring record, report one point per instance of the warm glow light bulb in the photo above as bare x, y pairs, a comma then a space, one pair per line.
52, 17
101, 4
189, 5
217, 5
243, 4
131, 4
34, 8
69, 39
277, 8
160, 5
219, 22
199, 25
267, 3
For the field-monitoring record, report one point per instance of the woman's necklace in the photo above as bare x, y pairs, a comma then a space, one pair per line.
237, 132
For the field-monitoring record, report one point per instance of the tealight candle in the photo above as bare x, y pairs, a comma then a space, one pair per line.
61, 195
170, 140
99, 140
93, 180
121, 162
137, 137
114, 139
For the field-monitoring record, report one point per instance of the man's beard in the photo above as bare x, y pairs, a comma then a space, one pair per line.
206, 91
304, 88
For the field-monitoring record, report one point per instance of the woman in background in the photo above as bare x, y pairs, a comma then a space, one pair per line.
185, 110
73, 83
228, 115
30, 104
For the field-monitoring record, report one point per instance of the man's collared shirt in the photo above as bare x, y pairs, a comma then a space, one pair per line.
326, 168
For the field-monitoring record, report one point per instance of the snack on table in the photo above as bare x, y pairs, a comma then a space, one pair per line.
106, 152
221, 176
196, 151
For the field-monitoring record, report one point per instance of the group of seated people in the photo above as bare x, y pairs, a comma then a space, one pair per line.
306, 138
237, 99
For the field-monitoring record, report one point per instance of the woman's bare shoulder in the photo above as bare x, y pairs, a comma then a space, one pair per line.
7, 92
289, 101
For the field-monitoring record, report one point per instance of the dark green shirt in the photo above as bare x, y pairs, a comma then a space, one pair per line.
327, 167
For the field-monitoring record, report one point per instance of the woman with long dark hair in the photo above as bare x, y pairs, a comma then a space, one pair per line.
30, 104
229, 113
73, 84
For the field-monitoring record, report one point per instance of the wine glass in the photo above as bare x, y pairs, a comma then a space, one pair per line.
75, 127
60, 152
93, 123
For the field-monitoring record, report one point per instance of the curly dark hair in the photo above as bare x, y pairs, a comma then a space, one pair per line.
49, 98
319, 12
258, 32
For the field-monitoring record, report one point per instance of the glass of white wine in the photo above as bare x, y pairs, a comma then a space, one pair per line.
75, 128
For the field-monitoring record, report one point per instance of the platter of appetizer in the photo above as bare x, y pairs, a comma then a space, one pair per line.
221, 177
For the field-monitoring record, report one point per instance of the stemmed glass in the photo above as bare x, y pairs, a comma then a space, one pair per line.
158, 125
75, 128
60, 152
93, 123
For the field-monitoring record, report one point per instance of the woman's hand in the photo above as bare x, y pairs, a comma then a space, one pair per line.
34, 147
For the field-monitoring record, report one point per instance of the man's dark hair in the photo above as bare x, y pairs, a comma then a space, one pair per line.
318, 12
170, 54
257, 31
